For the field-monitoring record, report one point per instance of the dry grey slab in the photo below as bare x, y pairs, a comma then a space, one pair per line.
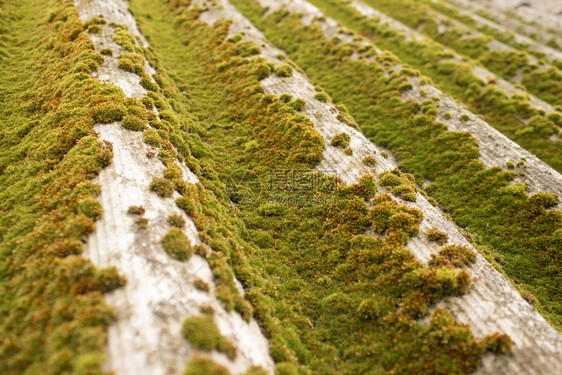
492, 303
159, 294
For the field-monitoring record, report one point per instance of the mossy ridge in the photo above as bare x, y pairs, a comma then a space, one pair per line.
546, 85
502, 111
203, 333
502, 36
521, 228
287, 296
54, 318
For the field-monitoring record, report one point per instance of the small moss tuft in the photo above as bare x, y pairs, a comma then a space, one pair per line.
133, 123
298, 104
323, 97
106, 51
141, 222
90, 207
284, 70
176, 221
498, 343
201, 285
177, 244
341, 140
453, 256
400, 184
204, 366
434, 234
247, 48
136, 210
286, 98
370, 161
162, 187
203, 334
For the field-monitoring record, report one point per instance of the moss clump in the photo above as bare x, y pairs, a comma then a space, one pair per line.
203, 334
453, 256
147, 84
388, 215
370, 161
465, 117
152, 138
176, 243
106, 51
108, 279
434, 234
141, 222
201, 285
204, 366
284, 70
162, 187
366, 187
348, 151
133, 123
254, 370
136, 210
341, 140
94, 29
400, 184
176, 221
286, 98
90, 207
323, 97
298, 104
247, 48
498, 343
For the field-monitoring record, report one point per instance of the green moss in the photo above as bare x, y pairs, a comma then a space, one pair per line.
247, 48
370, 161
141, 222
340, 140
148, 84
453, 256
348, 151
498, 343
54, 319
133, 123
323, 97
152, 137
424, 147
400, 184
176, 243
255, 370
204, 366
434, 234
136, 210
203, 334
284, 70
201, 285
298, 104
176, 221
90, 207
94, 29
162, 187
286, 98
106, 51
282, 283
